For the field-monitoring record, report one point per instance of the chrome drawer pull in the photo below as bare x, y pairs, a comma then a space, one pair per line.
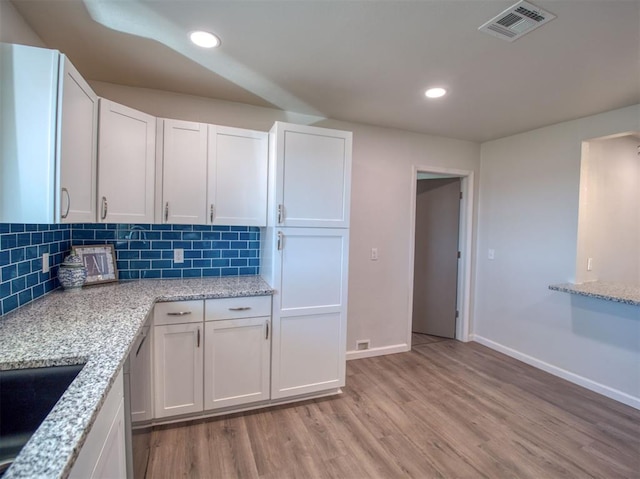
144, 338
241, 308
180, 313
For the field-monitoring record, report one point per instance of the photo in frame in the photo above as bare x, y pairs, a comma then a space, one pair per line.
100, 261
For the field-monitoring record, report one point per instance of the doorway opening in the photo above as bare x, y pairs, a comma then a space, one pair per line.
440, 252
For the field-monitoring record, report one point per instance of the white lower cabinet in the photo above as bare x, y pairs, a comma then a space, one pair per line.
140, 378
178, 369
237, 365
103, 454
216, 356
309, 311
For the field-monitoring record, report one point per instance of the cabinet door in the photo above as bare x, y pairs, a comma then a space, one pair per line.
126, 164
184, 173
28, 102
77, 134
237, 183
236, 362
309, 312
112, 462
178, 369
140, 377
103, 453
313, 176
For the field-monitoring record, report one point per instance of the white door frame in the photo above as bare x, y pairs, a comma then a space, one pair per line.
465, 245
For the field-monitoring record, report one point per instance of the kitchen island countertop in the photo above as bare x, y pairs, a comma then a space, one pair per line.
96, 325
616, 292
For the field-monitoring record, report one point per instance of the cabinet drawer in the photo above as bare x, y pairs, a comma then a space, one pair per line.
178, 312
231, 308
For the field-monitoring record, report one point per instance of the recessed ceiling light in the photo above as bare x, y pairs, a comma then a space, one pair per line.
204, 39
435, 92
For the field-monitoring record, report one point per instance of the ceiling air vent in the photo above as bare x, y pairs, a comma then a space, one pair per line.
517, 21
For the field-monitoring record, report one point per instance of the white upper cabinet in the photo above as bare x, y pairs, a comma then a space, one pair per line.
213, 175
312, 168
126, 164
184, 173
78, 118
237, 176
48, 133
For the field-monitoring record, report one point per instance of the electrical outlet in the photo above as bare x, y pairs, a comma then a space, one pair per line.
45, 263
178, 255
589, 264
374, 254
491, 254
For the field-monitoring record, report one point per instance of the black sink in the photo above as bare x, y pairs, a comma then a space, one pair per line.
26, 397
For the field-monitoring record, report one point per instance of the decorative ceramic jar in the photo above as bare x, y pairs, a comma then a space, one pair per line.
72, 273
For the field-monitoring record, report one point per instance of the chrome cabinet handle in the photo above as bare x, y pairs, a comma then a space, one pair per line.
198, 337
280, 213
179, 313
280, 241
240, 308
66, 213
105, 207
211, 211
144, 338
166, 212
267, 334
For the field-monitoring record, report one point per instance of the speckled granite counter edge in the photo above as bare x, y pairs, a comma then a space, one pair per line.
54, 447
618, 293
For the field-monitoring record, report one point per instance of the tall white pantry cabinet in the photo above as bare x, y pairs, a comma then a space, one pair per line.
305, 255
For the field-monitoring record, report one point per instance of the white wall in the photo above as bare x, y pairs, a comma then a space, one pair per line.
528, 213
380, 201
609, 226
13, 28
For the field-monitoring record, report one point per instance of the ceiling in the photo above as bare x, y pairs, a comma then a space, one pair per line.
362, 61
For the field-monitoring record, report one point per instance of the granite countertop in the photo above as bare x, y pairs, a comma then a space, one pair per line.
617, 292
97, 326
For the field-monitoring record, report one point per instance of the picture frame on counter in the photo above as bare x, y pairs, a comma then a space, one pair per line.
100, 261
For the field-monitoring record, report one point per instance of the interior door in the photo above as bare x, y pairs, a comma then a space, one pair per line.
436, 257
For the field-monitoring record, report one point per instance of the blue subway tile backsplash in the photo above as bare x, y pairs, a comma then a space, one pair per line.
146, 251
142, 251
21, 250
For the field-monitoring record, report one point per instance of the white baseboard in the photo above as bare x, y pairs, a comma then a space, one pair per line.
561, 373
369, 353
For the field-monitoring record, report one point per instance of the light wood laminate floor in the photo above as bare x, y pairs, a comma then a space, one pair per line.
444, 410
